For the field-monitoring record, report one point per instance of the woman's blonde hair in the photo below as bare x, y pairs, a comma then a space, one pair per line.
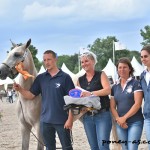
89, 55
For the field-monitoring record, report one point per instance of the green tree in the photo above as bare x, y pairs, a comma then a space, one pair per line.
128, 54
34, 52
136, 54
146, 35
103, 48
121, 53
63, 59
71, 62
74, 63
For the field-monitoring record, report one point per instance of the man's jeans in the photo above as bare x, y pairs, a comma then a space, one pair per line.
130, 137
98, 128
49, 134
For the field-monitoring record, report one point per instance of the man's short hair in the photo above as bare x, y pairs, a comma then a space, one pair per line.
51, 52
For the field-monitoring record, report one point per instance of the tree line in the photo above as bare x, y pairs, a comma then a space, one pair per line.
102, 47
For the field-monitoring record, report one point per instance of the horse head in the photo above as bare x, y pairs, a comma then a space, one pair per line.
14, 57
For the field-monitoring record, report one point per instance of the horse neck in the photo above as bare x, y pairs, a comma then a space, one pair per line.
28, 65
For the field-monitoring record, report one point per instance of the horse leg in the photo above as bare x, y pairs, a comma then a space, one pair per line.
40, 145
25, 133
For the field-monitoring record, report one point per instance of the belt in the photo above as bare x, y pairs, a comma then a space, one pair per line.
95, 112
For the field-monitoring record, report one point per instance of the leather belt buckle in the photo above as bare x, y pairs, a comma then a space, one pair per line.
92, 112
104, 110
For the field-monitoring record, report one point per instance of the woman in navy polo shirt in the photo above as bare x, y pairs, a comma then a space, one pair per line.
145, 83
125, 104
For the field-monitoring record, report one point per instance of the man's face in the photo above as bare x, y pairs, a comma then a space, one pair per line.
49, 61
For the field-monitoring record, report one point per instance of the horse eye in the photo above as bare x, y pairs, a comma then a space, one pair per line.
17, 54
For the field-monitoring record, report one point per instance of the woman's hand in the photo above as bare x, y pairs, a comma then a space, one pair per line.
122, 122
85, 94
124, 125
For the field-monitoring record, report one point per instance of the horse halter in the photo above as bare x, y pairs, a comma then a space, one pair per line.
13, 75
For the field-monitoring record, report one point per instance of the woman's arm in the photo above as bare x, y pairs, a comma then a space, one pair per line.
103, 92
138, 97
113, 108
115, 113
106, 86
78, 84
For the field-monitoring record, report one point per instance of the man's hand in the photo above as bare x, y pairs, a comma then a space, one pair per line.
16, 86
68, 124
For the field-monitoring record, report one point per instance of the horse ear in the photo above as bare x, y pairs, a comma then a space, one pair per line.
28, 43
13, 44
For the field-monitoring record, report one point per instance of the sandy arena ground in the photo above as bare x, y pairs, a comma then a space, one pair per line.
10, 137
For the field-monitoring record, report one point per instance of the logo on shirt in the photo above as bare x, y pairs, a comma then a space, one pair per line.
129, 89
57, 85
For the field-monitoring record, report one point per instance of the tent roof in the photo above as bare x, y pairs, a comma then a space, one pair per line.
110, 69
6, 81
65, 69
138, 68
42, 69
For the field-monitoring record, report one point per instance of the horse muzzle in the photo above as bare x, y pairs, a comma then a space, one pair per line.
4, 71
7, 72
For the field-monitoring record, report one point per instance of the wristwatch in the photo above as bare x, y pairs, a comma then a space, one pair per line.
91, 93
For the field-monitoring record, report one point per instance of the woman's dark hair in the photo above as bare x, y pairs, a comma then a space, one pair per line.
126, 61
146, 48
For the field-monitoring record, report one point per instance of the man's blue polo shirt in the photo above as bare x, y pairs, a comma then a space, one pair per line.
52, 90
124, 98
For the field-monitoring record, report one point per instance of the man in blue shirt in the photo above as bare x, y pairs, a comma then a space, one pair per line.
53, 85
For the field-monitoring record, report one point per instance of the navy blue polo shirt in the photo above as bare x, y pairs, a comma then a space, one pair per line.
124, 98
52, 90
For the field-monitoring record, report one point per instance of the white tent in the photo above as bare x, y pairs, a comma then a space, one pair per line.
79, 74
72, 75
42, 69
110, 70
138, 68
17, 78
6, 81
65, 69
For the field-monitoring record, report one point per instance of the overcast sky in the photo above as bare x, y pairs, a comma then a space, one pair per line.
66, 25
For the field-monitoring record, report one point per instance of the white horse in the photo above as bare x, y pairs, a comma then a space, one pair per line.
28, 110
